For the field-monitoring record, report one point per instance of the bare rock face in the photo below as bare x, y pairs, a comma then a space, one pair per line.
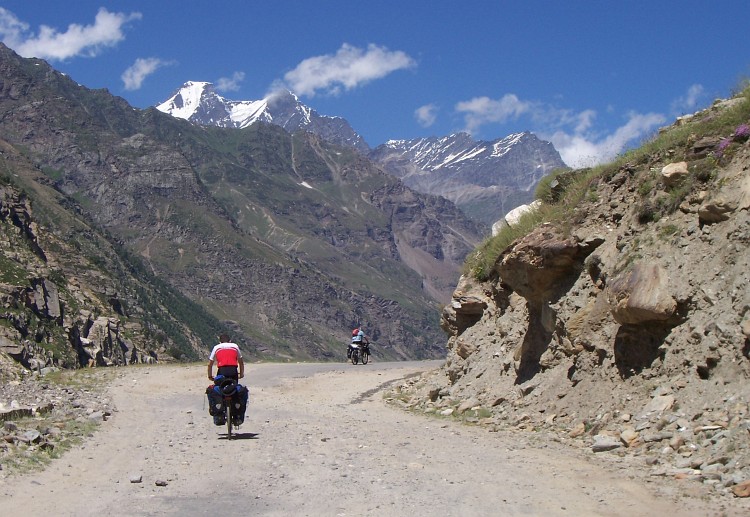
540, 268
641, 295
536, 267
466, 308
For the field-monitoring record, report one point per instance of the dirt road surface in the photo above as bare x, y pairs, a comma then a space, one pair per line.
319, 440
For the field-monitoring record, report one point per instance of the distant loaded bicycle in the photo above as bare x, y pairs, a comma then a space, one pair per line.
359, 352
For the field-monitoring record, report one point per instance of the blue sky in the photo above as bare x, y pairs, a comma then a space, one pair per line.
593, 77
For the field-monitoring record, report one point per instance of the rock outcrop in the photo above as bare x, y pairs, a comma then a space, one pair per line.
641, 295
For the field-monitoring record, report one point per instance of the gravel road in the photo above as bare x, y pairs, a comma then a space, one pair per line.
317, 440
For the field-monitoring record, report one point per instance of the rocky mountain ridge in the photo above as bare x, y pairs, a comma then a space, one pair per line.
69, 298
625, 326
486, 179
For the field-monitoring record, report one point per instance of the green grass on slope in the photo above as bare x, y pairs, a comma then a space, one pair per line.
573, 187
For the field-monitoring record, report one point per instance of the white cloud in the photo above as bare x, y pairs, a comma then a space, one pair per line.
585, 120
77, 40
349, 68
426, 115
483, 110
576, 150
689, 101
230, 84
583, 149
11, 28
572, 133
134, 76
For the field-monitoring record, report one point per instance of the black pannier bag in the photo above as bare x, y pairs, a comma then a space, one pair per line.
241, 396
215, 401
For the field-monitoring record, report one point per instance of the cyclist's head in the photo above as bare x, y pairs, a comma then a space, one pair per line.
224, 338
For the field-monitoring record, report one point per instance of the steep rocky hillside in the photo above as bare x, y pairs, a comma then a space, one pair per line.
619, 316
70, 295
287, 240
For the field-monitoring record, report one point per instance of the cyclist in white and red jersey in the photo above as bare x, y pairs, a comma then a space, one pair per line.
228, 360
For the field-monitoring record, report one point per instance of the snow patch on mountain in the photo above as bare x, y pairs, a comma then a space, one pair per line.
242, 114
502, 147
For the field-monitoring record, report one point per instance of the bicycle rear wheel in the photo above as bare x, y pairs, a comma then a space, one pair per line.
229, 420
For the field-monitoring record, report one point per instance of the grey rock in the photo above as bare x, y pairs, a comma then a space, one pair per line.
467, 405
604, 443
31, 436
656, 437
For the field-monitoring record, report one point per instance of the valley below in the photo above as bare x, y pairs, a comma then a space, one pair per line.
321, 439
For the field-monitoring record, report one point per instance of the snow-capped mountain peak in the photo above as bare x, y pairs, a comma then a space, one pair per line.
186, 101
199, 103
485, 178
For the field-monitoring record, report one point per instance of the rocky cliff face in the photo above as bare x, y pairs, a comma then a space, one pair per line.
628, 327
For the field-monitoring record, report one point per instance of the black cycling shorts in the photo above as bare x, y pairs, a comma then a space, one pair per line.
229, 371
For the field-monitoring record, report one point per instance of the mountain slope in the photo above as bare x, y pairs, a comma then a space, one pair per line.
288, 240
71, 295
485, 179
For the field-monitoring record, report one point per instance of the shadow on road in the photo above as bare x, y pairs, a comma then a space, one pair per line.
241, 436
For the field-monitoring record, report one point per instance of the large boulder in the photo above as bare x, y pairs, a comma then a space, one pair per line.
716, 210
45, 299
641, 294
674, 173
514, 216
537, 265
